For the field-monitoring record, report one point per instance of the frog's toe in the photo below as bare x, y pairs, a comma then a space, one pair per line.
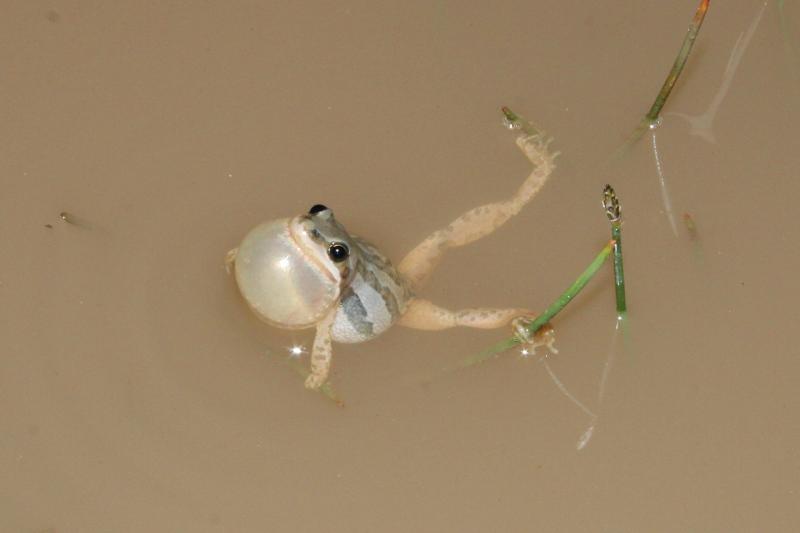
519, 326
544, 336
536, 148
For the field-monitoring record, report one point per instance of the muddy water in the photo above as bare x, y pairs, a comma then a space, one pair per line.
138, 393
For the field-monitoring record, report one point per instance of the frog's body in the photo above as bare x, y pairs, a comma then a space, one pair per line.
375, 299
308, 271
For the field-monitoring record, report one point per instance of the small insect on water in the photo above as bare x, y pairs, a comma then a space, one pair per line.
309, 271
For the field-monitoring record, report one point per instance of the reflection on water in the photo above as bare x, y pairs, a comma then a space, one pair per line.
594, 415
702, 125
662, 180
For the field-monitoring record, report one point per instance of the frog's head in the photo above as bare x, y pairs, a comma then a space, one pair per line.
328, 242
292, 271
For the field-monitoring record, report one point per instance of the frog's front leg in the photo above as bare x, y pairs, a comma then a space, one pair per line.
483, 220
423, 314
321, 353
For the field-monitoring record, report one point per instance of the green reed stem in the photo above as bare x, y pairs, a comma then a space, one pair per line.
652, 115
614, 213
680, 61
619, 273
554, 308
518, 122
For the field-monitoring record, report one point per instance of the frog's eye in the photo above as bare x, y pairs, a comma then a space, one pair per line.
338, 252
316, 208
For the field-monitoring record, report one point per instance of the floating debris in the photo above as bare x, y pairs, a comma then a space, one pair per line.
691, 227
73, 220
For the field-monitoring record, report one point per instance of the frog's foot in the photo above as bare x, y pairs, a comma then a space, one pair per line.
544, 336
536, 148
481, 221
230, 259
320, 367
315, 381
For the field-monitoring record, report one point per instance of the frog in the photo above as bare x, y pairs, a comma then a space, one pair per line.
309, 271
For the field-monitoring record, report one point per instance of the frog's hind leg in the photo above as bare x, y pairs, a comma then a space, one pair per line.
483, 220
423, 314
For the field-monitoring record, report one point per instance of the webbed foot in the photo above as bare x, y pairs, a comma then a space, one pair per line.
544, 336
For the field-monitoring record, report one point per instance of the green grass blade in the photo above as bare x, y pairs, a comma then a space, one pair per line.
554, 308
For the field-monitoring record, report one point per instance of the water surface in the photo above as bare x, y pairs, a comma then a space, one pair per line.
138, 393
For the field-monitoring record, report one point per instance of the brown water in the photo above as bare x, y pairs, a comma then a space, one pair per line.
138, 393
